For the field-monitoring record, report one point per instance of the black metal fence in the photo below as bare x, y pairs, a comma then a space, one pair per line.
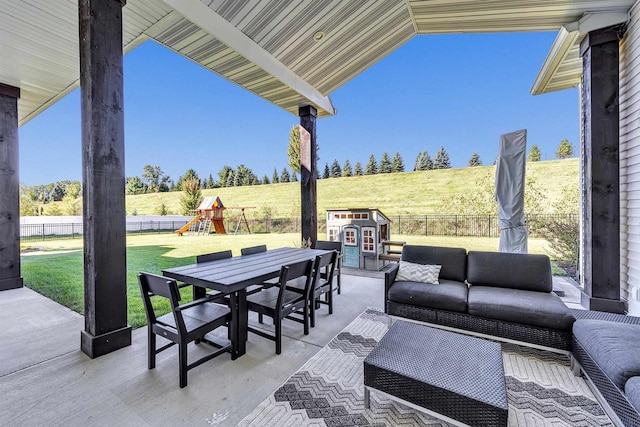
424, 225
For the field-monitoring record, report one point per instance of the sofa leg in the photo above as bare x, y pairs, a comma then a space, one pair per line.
575, 367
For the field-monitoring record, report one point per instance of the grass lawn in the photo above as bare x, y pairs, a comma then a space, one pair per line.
54, 268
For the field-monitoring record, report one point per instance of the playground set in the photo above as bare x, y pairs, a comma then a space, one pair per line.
210, 214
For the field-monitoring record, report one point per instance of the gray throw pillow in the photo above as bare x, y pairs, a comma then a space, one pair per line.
413, 272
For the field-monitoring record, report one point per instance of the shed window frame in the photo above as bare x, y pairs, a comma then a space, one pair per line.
350, 238
368, 239
333, 233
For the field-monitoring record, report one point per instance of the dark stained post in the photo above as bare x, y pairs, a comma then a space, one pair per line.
308, 173
105, 269
9, 190
600, 182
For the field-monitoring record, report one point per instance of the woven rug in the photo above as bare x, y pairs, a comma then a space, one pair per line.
328, 390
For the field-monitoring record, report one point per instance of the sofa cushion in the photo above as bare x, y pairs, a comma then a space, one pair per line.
613, 346
542, 309
414, 272
448, 295
452, 260
632, 391
506, 270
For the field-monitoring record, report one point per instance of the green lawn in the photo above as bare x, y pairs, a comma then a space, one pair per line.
54, 268
409, 193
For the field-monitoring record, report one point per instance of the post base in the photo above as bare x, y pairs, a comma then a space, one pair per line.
96, 346
601, 304
15, 283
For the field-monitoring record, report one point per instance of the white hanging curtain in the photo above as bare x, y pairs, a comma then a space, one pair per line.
510, 183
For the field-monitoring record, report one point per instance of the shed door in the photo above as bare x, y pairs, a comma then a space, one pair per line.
350, 247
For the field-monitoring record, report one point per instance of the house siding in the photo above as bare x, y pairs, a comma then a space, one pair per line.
630, 163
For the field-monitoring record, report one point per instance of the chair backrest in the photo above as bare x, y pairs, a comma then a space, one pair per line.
328, 245
214, 256
253, 250
293, 271
324, 261
154, 285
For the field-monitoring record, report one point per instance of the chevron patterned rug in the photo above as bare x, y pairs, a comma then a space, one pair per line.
328, 390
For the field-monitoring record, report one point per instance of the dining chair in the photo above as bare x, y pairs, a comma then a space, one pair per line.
214, 256
253, 250
280, 303
332, 246
321, 284
183, 324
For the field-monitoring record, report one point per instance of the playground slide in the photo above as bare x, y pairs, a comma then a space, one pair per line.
187, 225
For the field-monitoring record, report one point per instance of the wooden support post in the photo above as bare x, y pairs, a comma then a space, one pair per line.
599, 171
308, 173
102, 110
10, 190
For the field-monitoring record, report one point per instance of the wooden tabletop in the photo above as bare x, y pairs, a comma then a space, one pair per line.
232, 274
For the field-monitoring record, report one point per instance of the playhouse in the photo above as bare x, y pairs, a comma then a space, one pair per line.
362, 233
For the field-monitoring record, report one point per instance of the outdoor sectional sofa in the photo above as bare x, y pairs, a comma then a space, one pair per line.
607, 349
502, 295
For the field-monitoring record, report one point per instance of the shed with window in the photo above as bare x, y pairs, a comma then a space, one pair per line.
361, 232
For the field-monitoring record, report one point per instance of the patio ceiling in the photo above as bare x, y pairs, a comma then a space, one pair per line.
287, 52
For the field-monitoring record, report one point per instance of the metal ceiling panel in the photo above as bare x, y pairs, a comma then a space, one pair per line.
473, 16
39, 46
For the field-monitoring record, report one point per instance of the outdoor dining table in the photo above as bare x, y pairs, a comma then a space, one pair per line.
233, 275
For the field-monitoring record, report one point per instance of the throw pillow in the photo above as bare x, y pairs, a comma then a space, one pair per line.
413, 272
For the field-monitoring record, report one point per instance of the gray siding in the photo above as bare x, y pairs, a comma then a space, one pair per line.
630, 163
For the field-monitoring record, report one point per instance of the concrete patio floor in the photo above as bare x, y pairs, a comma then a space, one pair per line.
46, 380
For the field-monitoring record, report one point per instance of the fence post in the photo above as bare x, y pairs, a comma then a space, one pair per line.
489, 225
456, 223
398, 224
43, 232
426, 229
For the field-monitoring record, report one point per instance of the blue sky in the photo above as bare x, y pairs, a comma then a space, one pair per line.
457, 91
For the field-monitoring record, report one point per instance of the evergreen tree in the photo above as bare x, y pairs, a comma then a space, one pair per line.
336, 170
231, 179
441, 160
346, 169
284, 176
275, 178
327, 173
372, 166
385, 164
474, 160
397, 164
223, 175
294, 177
423, 162
534, 154
565, 150
191, 195
265, 180
189, 174
210, 182
358, 169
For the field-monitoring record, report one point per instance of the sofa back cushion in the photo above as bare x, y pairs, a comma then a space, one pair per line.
507, 270
452, 260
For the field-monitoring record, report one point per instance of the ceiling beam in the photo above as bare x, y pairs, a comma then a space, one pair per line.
207, 19
569, 36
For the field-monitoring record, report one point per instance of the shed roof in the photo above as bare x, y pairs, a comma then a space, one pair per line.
289, 53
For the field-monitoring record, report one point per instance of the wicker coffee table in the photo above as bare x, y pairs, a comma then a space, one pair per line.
457, 378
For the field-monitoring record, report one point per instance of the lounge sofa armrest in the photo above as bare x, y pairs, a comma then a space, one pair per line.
389, 278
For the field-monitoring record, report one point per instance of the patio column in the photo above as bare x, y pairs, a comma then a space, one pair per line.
102, 112
308, 173
599, 171
10, 194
